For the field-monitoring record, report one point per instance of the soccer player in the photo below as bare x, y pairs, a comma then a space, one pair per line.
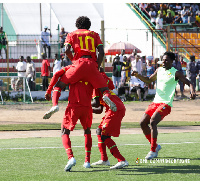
110, 126
167, 78
79, 107
85, 62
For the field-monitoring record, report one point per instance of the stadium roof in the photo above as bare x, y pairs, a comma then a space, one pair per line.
25, 17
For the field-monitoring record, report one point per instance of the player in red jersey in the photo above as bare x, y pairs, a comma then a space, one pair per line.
85, 65
79, 107
110, 126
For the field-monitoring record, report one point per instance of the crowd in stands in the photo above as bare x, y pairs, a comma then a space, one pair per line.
125, 84
171, 13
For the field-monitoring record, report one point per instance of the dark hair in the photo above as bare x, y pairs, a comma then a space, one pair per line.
83, 22
170, 54
192, 57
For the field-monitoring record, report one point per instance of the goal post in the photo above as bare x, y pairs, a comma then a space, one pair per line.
8, 90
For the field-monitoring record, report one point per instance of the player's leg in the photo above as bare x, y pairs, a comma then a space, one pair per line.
69, 122
155, 119
67, 145
144, 124
162, 110
102, 149
115, 152
88, 146
111, 126
85, 116
55, 97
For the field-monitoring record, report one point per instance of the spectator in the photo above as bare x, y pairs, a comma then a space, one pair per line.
150, 71
132, 56
177, 64
65, 61
170, 10
195, 7
162, 11
152, 15
21, 68
184, 15
3, 42
117, 68
56, 64
192, 71
121, 56
198, 67
178, 19
63, 35
30, 73
198, 17
178, 7
159, 21
184, 65
137, 65
45, 72
126, 71
191, 18
138, 86
144, 65
192, 10
169, 18
45, 36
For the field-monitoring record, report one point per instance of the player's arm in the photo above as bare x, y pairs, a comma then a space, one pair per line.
179, 75
100, 55
68, 51
54, 80
147, 80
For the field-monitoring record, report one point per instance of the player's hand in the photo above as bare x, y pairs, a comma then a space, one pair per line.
192, 96
48, 96
134, 73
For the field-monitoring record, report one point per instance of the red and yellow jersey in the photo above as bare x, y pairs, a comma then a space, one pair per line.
83, 42
80, 93
114, 98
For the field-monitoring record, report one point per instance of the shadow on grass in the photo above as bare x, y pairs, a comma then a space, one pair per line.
183, 169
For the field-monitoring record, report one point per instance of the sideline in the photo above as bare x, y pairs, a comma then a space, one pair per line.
94, 146
57, 133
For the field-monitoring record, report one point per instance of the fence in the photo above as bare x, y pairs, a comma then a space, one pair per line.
26, 45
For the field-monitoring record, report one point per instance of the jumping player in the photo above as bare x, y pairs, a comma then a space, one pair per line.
167, 78
85, 62
110, 126
79, 107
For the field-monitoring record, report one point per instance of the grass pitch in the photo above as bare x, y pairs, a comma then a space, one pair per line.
44, 159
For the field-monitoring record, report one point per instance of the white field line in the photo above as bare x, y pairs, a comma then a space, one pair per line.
93, 146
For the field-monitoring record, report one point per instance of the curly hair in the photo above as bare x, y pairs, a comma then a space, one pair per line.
171, 55
83, 22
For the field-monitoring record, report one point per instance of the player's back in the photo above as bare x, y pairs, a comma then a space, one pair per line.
83, 42
80, 93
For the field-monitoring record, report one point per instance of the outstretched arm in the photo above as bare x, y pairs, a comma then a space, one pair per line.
55, 78
147, 80
183, 79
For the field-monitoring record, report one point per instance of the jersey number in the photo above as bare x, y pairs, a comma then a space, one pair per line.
86, 43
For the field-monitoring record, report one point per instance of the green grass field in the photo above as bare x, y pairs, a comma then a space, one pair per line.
44, 159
